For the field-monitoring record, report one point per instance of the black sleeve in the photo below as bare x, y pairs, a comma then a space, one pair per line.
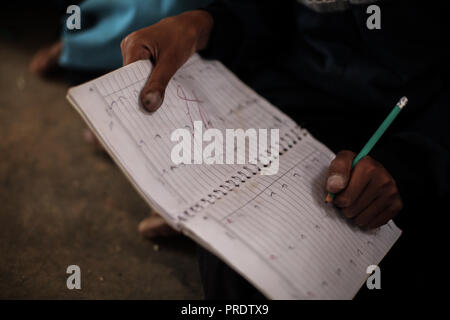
416, 148
417, 154
243, 29
417, 151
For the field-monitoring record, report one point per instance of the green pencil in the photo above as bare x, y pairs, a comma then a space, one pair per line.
376, 136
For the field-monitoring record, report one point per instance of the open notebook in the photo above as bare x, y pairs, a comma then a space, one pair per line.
275, 230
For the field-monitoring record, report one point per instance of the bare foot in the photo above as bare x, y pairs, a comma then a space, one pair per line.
92, 139
151, 227
155, 226
46, 60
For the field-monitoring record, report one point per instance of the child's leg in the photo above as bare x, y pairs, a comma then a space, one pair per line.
46, 59
155, 226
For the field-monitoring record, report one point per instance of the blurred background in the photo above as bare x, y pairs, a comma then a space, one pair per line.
62, 201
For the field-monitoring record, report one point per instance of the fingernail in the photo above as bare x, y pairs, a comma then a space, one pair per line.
152, 100
335, 182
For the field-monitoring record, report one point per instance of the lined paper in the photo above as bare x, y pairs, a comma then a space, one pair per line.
286, 240
199, 91
275, 230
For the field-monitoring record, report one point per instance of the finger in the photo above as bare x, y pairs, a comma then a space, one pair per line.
367, 196
371, 212
359, 180
152, 94
380, 184
133, 53
123, 51
339, 171
386, 215
133, 49
366, 183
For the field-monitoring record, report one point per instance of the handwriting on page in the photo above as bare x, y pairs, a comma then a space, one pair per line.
196, 93
281, 219
284, 219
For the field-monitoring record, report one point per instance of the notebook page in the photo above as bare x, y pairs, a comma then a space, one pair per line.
280, 235
140, 142
206, 91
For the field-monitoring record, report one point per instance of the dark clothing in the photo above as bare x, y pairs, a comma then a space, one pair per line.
339, 79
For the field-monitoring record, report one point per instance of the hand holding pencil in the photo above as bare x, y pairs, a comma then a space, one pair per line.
361, 187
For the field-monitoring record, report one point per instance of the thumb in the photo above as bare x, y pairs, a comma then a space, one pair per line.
152, 95
339, 171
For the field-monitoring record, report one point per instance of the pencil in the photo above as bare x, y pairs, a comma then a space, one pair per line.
376, 136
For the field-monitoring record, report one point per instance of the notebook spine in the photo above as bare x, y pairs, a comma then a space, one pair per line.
287, 141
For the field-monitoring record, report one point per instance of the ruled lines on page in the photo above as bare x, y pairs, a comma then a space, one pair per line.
200, 91
275, 230
278, 232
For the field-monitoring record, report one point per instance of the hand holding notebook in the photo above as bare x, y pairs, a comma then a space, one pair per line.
275, 230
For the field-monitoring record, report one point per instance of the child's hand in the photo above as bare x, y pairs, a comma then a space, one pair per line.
367, 194
169, 44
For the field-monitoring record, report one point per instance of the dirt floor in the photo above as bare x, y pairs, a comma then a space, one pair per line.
61, 203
